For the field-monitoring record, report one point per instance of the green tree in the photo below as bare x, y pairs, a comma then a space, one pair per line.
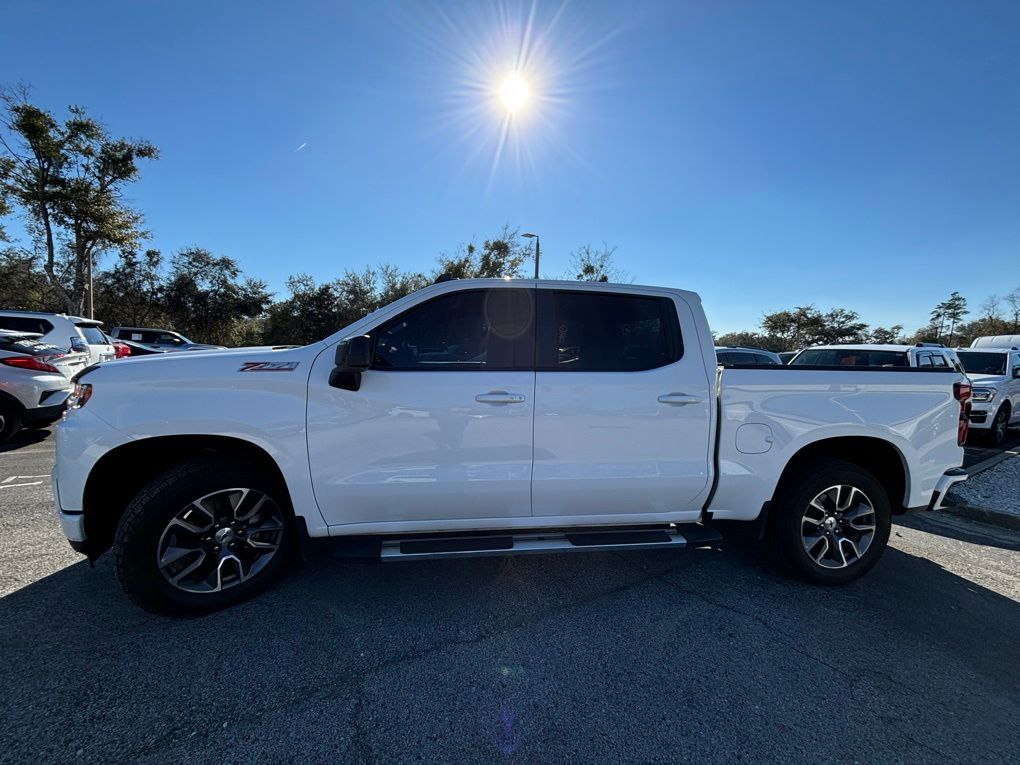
503, 255
953, 310
887, 336
22, 283
69, 178
207, 297
590, 264
132, 292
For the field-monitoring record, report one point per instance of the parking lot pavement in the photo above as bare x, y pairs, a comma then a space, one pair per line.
640, 657
977, 450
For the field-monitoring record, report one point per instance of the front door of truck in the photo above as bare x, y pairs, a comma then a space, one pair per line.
441, 427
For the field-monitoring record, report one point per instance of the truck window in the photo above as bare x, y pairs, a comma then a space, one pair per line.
924, 359
582, 331
983, 362
473, 330
938, 360
25, 324
849, 357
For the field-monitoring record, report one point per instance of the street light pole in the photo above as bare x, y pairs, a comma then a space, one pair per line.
537, 250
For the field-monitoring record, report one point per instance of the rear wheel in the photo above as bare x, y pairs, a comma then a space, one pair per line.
202, 536
10, 421
831, 522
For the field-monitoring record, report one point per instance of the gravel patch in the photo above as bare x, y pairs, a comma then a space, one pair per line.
997, 488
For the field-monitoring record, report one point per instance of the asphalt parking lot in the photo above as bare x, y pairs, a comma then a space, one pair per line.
710, 655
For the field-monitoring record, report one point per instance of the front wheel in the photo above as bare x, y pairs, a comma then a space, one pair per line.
204, 535
831, 522
997, 433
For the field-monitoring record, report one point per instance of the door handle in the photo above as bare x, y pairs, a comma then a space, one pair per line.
499, 397
678, 399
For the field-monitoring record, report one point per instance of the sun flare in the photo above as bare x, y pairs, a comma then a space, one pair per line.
513, 93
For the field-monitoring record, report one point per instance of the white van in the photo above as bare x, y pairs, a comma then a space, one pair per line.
996, 341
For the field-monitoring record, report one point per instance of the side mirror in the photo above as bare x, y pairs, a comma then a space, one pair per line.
351, 357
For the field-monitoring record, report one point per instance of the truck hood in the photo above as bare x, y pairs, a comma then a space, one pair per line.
986, 379
202, 366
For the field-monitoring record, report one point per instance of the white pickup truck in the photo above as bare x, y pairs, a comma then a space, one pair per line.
492, 417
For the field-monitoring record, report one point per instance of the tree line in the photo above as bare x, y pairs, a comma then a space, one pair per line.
67, 177
806, 325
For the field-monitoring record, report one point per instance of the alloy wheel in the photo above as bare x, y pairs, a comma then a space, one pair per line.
220, 540
838, 526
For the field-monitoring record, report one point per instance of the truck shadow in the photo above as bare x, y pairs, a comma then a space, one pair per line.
953, 527
71, 641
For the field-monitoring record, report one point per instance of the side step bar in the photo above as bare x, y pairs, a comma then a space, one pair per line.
535, 542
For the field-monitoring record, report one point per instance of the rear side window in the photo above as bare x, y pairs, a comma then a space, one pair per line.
764, 361
924, 360
939, 361
25, 324
582, 331
474, 330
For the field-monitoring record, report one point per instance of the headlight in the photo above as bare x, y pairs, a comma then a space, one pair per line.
982, 394
78, 399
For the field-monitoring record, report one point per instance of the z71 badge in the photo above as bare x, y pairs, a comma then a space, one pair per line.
268, 366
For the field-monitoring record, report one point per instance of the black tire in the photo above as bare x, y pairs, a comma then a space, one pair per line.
997, 432
789, 525
10, 421
150, 516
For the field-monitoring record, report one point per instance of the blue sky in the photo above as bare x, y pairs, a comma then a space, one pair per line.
765, 154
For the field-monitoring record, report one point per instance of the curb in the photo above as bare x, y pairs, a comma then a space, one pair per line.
984, 515
979, 467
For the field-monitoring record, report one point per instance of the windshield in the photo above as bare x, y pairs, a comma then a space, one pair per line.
983, 363
849, 357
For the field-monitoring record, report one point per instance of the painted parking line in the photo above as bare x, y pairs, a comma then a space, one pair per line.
8, 483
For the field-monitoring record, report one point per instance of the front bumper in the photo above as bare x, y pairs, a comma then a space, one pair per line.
44, 415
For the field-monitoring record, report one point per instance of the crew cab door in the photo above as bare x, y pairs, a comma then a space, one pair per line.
441, 427
622, 405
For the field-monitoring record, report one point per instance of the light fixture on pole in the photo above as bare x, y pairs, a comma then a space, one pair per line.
537, 251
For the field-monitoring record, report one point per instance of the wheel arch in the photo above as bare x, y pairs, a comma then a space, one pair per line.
121, 473
878, 456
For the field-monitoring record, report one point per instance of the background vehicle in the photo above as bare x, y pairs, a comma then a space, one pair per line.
729, 356
996, 341
68, 363
995, 398
162, 339
136, 349
923, 355
787, 356
70, 333
33, 392
482, 417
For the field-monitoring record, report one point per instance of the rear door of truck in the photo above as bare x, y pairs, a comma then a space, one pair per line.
622, 404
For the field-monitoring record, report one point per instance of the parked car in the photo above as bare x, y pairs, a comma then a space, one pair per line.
136, 349
68, 363
922, 355
734, 356
33, 391
161, 339
787, 356
996, 341
545, 416
70, 333
995, 398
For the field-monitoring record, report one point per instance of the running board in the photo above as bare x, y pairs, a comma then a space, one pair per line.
536, 542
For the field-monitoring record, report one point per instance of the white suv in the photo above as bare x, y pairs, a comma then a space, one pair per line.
33, 391
70, 333
995, 398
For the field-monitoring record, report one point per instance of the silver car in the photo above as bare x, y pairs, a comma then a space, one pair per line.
33, 392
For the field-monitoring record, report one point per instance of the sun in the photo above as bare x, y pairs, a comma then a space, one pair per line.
513, 93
